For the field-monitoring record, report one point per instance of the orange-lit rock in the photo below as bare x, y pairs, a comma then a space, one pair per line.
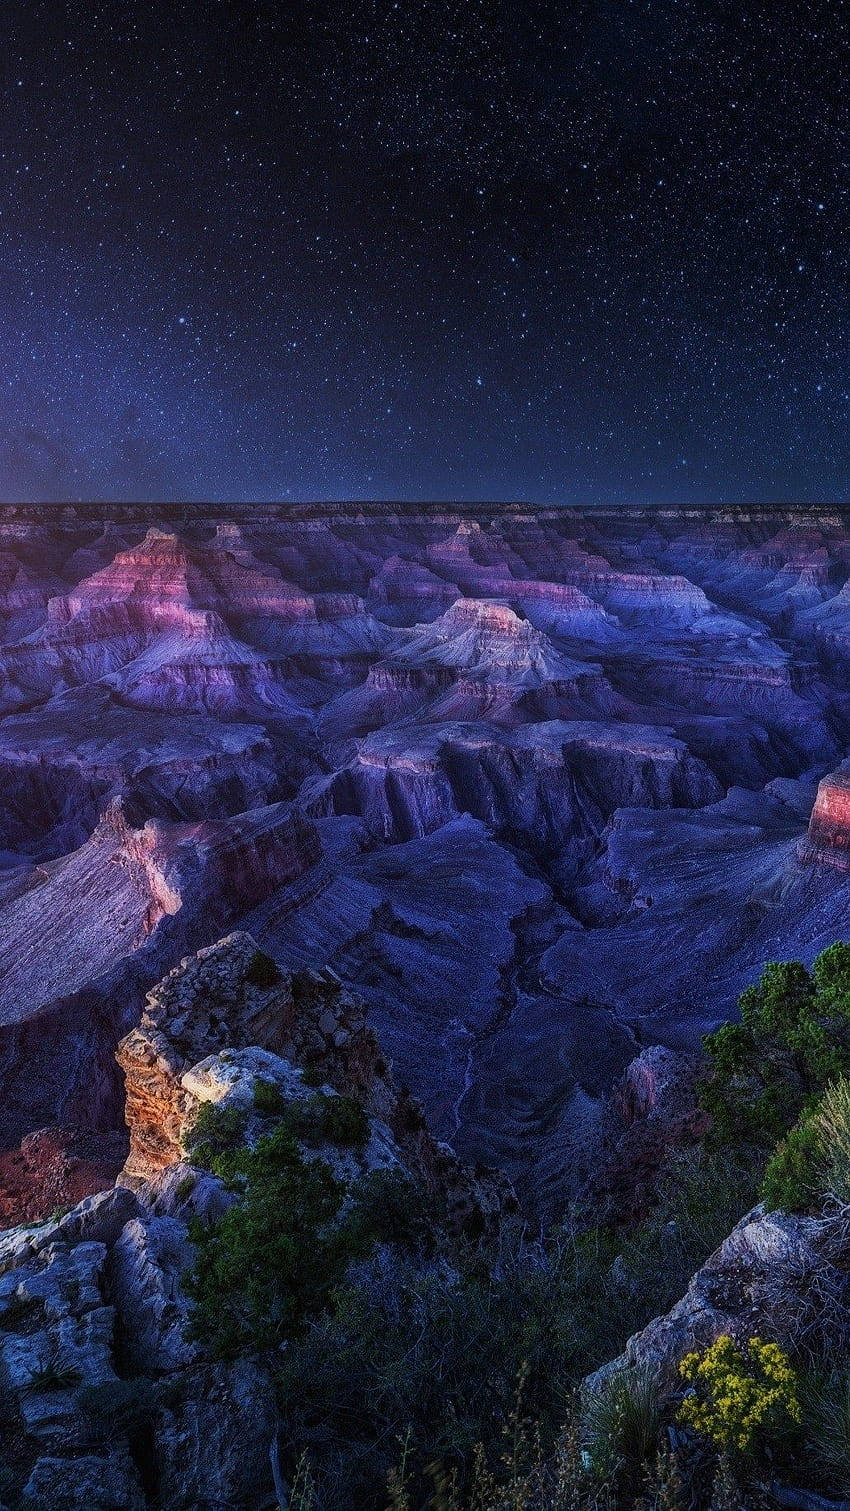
829, 825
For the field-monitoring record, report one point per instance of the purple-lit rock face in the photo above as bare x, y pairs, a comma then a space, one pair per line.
539, 785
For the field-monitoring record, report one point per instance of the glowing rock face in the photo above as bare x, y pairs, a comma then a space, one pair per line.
829, 826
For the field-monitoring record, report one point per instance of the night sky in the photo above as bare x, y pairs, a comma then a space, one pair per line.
566, 252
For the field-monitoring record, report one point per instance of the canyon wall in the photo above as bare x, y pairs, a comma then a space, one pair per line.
545, 787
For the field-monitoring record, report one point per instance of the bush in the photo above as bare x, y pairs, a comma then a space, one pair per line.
702, 1195
793, 1038
439, 1349
739, 1393
790, 1181
395, 1209
263, 971
314, 1120
813, 1160
268, 1097
215, 1132
323, 1119
185, 1186
407, 1343
272, 1261
621, 1425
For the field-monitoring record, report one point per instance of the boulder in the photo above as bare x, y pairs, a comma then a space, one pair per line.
775, 1276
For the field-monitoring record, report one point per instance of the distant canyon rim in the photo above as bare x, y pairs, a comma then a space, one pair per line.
543, 786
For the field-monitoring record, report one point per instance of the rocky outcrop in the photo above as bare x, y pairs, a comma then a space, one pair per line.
227, 997
651, 1112
775, 1276
548, 785
84, 937
227, 1016
108, 1401
200, 667
489, 638
105, 1406
167, 570
828, 837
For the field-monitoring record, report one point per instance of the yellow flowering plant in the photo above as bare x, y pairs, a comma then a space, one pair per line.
739, 1392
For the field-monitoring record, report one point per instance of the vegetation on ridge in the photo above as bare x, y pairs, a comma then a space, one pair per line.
397, 1356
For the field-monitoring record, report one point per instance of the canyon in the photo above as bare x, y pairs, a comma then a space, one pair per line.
544, 788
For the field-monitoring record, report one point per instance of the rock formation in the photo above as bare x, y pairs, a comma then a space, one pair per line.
108, 1404
518, 776
828, 837
775, 1276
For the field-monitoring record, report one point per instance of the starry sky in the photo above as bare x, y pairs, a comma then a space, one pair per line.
457, 248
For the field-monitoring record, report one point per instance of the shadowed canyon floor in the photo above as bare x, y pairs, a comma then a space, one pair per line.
545, 787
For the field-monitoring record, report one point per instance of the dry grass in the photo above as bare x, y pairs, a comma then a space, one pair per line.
832, 1123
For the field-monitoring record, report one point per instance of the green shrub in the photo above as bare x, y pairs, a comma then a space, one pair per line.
701, 1196
273, 1260
314, 1120
263, 971
311, 1075
813, 1160
323, 1119
395, 1209
268, 1097
793, 1038
215, 1131
343, 1121
185, 1186
791, 1179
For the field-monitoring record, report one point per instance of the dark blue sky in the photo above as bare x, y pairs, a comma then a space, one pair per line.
561, 252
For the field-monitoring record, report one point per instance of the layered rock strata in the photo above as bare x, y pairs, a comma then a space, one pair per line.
601, 730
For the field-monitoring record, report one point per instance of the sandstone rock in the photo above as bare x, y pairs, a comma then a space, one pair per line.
828, 837
81, 942
551, 785
213, 1002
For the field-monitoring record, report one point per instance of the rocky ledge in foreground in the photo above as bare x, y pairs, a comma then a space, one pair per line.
776, 1276
108, 1403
